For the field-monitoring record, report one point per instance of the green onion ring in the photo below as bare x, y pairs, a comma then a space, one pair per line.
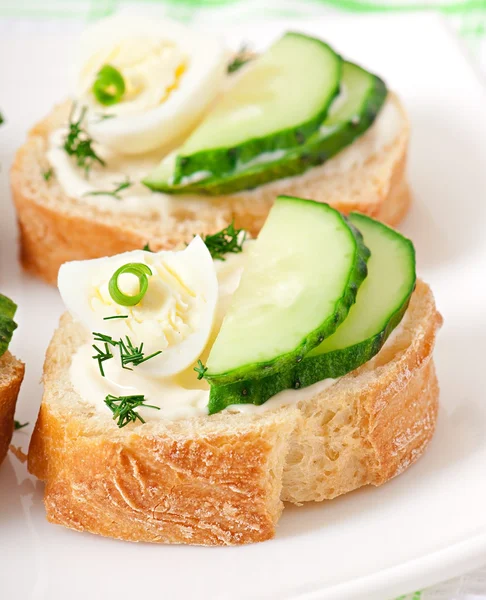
139, 270
109, 86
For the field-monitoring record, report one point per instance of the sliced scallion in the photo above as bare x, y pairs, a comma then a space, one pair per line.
109, 86
141, 271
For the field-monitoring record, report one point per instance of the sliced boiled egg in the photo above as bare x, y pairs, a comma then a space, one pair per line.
174, 316
164, 77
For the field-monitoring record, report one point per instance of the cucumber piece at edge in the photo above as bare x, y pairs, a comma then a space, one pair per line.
7, 324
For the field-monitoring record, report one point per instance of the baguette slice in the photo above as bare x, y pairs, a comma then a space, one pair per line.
221, 479
55, 228
11, 376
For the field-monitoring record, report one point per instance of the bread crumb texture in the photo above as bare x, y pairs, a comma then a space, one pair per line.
11, 376
221, 480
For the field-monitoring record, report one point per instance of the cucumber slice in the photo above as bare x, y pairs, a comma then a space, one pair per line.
380, 305
7, 324
279, 102
351, 114
301, 279
364, 95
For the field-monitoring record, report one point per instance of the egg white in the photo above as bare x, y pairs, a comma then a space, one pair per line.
176, 314
163, 125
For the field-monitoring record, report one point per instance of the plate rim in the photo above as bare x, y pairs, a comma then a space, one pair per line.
438, 565
427, 570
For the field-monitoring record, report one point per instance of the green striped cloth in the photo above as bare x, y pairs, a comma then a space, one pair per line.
468, 18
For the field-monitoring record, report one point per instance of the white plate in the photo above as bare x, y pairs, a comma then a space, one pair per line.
430, 523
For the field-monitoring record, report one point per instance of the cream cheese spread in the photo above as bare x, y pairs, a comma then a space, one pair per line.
179, 396
142, 201
183, 395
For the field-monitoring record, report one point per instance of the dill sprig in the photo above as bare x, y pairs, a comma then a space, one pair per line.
79, 144
200, 369
228, 240
18, 425
2, 120
129, 354
133, 355
104, 117
47, 174
146, 248
101, 356
101, 337
123, 408
119, 187
115, 317
243, 56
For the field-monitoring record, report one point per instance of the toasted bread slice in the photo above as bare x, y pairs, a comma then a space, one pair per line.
11, 376
55, 228
221, 479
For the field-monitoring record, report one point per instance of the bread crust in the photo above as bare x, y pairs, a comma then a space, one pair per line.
220, 480
211, 490
374, 422
55, 228
11, 376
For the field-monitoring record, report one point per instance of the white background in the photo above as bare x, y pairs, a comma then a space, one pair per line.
427, 525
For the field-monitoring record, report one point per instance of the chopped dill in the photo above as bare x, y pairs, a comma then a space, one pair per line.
123, 408
200, 369
242, 57
105, 117
133, 355
129, 354
79, 144
101, 356
228, 240
119, 187
47, 174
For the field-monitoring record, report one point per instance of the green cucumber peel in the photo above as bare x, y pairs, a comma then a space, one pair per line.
312, 369
335, 133
200, 154
333, 358
7, 324
286, 360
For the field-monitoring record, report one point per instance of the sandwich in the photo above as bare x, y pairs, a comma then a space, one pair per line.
167, 134
11, 375
189, 393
